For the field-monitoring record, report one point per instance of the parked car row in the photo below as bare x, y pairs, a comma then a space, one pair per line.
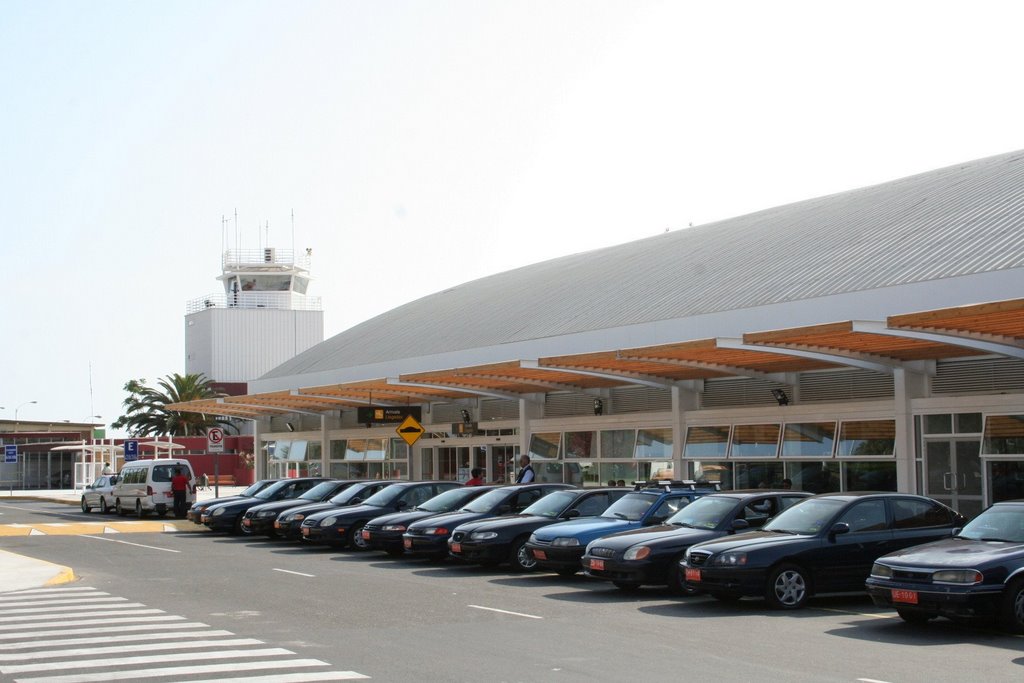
915, 554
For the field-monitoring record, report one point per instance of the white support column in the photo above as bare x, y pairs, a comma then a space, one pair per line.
528, 410
258, 454
685, 397
325, 446
908, 386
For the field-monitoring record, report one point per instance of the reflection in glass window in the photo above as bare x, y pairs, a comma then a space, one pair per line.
1004, 435
938, 424
809, 439
706, 442
967, 423
579, 444
712, 472
654, 443
338, 449
365, 449
870, 476
869, 437
758, 475
814, 476
618, 443
1006, 480
544, 445
754, 441
612, 473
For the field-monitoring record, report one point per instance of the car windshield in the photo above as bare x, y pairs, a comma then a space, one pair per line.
353, 491
270, 491
704, 513
450, 500
488, 501
551, 505
386, 496
806, 517
999, 523
631, 506
319, 491
254, 489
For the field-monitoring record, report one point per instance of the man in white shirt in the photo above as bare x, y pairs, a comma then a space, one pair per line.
526, 472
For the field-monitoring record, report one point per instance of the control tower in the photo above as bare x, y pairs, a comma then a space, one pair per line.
262, 318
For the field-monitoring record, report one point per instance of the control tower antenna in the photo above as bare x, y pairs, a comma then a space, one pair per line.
293, 231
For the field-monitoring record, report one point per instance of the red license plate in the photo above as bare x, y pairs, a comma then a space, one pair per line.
907, 597
597, 564
693, 575
540, 554
456, 547
366, 535
305, 532
407, 543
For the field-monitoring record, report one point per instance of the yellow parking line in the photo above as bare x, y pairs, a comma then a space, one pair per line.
80, 528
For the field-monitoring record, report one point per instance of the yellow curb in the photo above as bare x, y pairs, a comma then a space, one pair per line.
67, 575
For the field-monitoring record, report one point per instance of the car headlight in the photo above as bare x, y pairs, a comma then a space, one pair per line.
733, 559
962, 576
637, 552
436, 531
565, 541
328, 521
218, 512
483, 535
880, 571
393, 527
267, 513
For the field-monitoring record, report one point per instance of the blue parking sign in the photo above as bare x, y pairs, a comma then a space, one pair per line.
131, 450
11, 453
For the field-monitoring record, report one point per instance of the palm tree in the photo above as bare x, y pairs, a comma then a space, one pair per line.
146, 412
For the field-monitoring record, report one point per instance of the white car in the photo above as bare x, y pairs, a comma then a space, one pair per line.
99, 494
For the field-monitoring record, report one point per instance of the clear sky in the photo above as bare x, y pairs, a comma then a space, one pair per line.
426, 143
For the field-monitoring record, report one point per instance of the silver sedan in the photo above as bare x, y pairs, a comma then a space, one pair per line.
98, 494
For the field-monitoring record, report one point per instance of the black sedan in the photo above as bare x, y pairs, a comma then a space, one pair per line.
429, 537
493, 541
651, 555
228, 516
288, 524
260, 518
979, 573
195, 513
385, 533
822, 544
344, 526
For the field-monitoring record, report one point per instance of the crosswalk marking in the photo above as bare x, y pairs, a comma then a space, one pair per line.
81, 634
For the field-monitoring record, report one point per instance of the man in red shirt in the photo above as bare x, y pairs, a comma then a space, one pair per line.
477, 479
179, 487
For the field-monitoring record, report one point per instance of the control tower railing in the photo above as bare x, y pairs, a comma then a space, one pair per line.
288, 301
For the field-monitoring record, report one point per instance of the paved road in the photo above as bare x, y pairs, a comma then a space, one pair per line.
397, 620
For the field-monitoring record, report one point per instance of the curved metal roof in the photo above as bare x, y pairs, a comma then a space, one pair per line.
961, 220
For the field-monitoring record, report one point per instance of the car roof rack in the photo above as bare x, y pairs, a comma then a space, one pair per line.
670, 484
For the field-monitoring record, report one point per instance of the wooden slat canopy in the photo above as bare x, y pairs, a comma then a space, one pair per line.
792, 350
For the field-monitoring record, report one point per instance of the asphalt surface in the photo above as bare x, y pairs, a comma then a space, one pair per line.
401, 620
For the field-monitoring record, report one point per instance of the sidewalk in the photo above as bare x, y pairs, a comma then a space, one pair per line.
18, 572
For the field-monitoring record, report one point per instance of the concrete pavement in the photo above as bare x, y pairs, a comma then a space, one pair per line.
19, 572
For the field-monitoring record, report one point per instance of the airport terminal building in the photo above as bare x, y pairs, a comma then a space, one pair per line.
871, 339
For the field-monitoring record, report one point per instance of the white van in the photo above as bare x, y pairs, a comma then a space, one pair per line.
145, 486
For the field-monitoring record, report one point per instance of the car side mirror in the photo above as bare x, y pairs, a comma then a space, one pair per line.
740, 524
956, 531
839, 528
571, 514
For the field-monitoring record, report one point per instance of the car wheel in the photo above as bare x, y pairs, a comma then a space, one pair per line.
788, 587
355, 538
85, 506
521, 559
104, 508
138, 509
912, 617
677, 580
627, 586
1012, 610
566, 571
118, 509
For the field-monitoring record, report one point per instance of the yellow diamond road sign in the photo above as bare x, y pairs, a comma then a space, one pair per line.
410, 430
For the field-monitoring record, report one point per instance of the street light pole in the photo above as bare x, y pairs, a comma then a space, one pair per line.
16, 413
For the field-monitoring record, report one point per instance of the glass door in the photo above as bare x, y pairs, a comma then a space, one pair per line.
954, 474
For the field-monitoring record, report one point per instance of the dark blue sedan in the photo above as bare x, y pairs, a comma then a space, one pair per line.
979, 573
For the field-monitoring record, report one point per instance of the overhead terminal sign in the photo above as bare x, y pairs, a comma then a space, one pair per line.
388, 415
11, 452
131, 450
410, 430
